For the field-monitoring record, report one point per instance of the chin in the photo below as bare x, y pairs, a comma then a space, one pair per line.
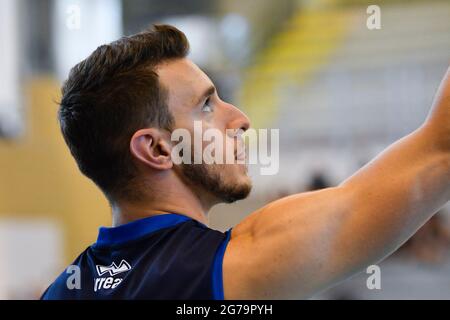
239, 188
226, 183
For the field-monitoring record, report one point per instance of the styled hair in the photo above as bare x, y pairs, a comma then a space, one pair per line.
112, 94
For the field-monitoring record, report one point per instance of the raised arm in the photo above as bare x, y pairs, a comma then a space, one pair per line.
302, 244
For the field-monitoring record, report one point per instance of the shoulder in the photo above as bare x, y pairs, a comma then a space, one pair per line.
68, 281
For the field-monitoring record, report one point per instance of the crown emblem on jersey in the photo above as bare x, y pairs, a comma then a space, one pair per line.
113, 269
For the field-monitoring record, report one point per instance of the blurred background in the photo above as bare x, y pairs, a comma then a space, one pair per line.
338, 92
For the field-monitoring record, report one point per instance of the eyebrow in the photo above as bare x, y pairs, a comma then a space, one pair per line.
207, 93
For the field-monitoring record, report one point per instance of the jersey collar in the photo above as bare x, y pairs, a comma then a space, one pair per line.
109, 236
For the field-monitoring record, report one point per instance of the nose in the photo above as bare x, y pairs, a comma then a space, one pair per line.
238, 119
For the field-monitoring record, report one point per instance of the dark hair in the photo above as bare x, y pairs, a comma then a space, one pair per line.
112, 94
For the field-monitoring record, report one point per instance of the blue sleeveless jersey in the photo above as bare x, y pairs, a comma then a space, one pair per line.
167, 256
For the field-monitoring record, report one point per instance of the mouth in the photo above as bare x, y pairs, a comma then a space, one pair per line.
240, 156
240, 153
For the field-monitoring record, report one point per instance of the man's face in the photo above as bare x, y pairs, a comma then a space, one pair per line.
193, 99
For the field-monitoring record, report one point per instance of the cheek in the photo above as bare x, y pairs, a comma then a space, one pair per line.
215, 133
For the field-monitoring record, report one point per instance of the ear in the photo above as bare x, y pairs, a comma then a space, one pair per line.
150, 148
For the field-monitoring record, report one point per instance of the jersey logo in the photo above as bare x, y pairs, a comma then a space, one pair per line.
113, 269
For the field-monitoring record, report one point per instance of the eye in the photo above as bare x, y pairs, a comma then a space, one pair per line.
207, 106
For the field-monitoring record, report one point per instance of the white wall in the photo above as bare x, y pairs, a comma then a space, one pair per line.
31, 256
10, 120
81, 26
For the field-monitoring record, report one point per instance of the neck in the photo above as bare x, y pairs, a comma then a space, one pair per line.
128, 212
164, 199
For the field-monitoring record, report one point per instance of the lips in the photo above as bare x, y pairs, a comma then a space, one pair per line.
240, 152
240, 156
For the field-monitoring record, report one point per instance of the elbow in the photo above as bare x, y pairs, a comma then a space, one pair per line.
437, 137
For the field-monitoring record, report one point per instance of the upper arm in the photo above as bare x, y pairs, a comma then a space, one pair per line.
298, 245
286, 249
301, 244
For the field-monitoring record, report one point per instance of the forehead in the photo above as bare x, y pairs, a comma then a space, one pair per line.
184, 80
